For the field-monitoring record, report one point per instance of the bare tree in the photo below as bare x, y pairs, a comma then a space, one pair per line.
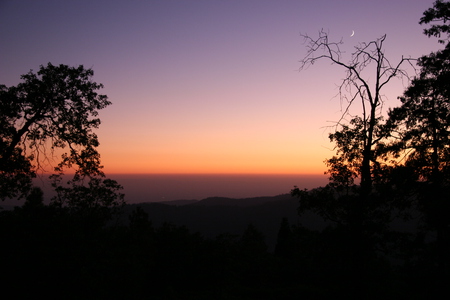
367, 73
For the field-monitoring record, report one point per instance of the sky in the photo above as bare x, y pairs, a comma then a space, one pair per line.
208, 86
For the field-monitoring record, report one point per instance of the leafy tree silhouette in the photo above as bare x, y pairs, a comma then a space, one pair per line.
35, 200
53, 112
402, 162
285, 240
139, 220
421, 131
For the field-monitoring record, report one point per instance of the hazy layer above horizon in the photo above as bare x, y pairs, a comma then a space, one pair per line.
166, 187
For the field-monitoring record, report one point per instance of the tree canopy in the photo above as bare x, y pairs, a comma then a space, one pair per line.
401, 158
48, 121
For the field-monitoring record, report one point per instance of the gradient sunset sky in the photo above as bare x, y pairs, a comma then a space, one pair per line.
208, 86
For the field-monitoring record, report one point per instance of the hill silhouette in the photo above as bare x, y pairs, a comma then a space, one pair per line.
217, 215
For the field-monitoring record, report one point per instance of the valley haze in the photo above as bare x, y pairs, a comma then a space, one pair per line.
168, 187
139, 188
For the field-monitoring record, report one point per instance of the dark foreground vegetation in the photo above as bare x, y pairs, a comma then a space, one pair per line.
59, 253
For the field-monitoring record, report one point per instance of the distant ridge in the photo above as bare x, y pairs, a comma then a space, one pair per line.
178, 202
242, 202
217, 215
225, 201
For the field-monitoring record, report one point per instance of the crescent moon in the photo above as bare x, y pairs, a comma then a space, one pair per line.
353, 33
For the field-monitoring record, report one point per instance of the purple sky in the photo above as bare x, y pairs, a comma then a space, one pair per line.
207, 86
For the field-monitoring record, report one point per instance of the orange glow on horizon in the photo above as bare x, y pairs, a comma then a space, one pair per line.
110, 171
209, 165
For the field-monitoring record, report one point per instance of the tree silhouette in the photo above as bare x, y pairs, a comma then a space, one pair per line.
367, 73
422, 122
284, 246
97, 200
403, 162
53, 113
356, 209
34, 200
421, 133
440, 12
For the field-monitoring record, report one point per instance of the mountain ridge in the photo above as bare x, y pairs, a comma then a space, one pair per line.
226, 201
213, 216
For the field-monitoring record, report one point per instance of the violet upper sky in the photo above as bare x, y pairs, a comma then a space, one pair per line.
207, 86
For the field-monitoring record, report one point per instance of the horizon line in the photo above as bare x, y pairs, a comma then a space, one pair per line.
214, 173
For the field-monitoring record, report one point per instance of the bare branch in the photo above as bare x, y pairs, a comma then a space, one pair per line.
356, 85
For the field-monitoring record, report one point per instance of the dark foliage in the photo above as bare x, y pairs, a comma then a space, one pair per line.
52, 113
52, 251
395, 223
47, 121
